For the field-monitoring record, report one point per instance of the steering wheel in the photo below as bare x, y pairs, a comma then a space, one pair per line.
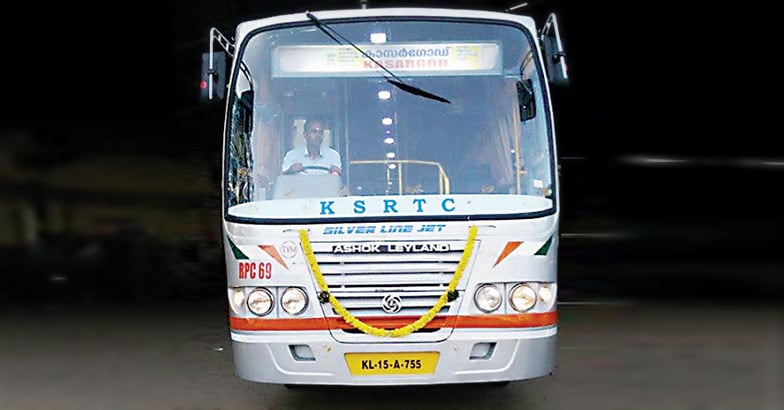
317, 167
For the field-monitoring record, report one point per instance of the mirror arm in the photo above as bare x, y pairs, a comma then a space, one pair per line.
227, 45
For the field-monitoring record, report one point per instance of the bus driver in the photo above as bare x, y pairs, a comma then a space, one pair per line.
312, 159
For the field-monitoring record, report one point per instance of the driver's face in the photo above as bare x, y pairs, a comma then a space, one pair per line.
314, 134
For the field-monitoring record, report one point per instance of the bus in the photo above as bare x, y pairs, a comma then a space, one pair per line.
415, 243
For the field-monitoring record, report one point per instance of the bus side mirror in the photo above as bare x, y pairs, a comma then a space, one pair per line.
525, 100
213, 76
553, 51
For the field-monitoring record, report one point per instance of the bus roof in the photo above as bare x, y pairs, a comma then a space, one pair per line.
244, 28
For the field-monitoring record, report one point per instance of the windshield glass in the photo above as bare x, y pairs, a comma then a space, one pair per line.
315, 130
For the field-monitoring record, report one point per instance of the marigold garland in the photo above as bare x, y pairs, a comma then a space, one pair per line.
401, 331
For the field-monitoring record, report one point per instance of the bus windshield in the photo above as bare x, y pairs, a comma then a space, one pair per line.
315, 129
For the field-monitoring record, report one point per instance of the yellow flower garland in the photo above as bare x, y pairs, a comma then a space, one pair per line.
401, 331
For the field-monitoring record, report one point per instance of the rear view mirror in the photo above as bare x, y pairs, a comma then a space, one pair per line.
213, 76
213, 68
525, 100
553, 51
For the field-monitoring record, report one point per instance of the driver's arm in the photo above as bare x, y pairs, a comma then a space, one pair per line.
289, 166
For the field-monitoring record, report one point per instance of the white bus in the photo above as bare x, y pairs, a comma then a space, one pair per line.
416, 240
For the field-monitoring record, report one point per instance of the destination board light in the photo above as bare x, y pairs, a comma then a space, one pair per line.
378, 38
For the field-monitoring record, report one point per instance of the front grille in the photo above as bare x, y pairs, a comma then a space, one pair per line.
359, 332
360, 280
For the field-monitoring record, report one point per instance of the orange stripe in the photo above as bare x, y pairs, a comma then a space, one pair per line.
501, 321
510, 246
520, 320
271, 251
238, 323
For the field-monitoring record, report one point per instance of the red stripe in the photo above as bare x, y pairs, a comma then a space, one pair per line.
520, 320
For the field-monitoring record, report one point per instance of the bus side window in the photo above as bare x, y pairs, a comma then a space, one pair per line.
240, 185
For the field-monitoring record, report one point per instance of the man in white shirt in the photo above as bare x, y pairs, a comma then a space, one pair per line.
312, 159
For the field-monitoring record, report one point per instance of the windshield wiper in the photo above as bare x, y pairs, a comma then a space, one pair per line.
395, 80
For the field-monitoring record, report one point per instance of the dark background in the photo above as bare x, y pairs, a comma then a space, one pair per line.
104, 101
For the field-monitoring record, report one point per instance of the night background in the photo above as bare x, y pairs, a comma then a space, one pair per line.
110, 165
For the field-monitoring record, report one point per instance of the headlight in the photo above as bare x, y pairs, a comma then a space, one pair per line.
487, 298
260, 301
236, 297
546, 292
522, 297
294, 301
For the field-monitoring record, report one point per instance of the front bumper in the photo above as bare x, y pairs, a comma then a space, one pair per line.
270, 357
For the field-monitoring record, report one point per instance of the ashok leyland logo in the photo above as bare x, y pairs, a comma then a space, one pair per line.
391, 303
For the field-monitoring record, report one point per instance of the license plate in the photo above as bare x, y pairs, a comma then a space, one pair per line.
380, 364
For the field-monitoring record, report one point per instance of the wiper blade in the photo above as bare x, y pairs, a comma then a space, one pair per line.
396, 81
326, 30
417, 91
